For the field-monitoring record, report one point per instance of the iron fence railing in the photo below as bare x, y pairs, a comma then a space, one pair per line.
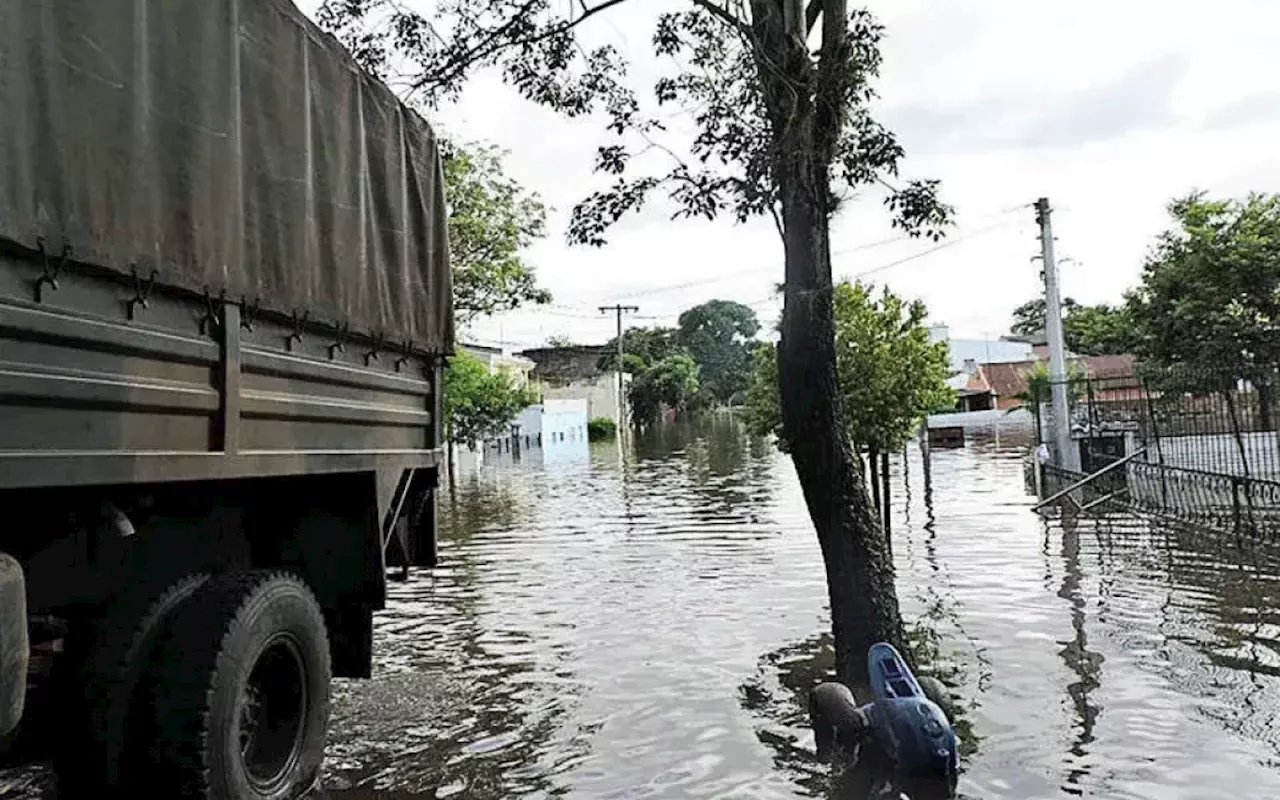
1222, 502
1217, 422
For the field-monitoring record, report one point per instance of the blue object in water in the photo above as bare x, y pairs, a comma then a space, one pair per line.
911, 729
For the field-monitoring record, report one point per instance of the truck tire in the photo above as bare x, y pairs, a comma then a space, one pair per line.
240, 691
108, 657
14, 649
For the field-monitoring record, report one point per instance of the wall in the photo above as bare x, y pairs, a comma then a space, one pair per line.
599, 393
561, 365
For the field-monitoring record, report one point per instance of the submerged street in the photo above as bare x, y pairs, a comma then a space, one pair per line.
606, 628
644, 629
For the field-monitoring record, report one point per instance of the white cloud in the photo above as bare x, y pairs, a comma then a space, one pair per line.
1109, 109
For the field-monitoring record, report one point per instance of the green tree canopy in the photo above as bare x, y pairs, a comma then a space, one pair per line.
1099, 330
890, 374
1209, 301
1028, 318
720, 335
1095, 330
479, 405
780, 94
492, 221
642, 348
671, 381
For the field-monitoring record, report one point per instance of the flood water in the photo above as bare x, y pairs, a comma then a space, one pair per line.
643, 627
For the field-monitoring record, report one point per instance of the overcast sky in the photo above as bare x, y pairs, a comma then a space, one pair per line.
1107, 108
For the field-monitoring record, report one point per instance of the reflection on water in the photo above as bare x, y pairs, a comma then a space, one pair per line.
607, 627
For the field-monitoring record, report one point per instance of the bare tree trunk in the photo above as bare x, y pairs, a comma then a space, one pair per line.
860, 578
806, 107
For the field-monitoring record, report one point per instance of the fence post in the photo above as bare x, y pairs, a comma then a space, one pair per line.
1235, 504
1145, 391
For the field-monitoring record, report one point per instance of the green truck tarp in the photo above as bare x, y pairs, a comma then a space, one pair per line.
229, 145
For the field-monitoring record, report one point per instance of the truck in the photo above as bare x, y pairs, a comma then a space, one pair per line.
225, 307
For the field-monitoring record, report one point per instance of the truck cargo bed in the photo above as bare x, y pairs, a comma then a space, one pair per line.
107, 380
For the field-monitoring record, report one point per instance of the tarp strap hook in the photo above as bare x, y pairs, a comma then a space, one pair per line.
379, 344
50, 276
141, 291
209, 322
249, 314
406, 351
299, 320
338, 346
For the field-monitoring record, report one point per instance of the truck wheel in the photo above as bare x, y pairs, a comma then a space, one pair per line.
107, 659
14, 647
240, 691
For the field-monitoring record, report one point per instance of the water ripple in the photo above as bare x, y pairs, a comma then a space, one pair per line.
646, 628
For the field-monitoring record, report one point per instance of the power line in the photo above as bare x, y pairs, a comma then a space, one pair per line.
773, 297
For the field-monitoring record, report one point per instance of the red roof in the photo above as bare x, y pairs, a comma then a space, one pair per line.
1010, 378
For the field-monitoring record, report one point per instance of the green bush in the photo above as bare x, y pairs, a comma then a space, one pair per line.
601, 429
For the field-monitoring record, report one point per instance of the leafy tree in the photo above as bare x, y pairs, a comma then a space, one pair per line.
780, 92
1210, 292
559, 341
642, 348
1039, 388
762, 412
891, 375
720, 334
1208, 307
479, 405
1088, 330
670, 382
1028, 318
1099, 330
492, 220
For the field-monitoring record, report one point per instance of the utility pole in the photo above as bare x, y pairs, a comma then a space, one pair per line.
619, 310
1068, 456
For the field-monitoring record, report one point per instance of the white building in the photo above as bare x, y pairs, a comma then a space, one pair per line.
498, 360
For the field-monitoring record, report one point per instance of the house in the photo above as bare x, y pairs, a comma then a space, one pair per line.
966, 356
499, 360
574, 373
1005, 384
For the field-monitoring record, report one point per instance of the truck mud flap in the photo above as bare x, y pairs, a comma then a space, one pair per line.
14, 648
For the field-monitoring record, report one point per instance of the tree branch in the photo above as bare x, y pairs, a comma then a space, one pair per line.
811, 15
494, 41
723, 13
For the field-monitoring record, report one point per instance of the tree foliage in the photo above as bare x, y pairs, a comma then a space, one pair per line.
671, 382
1028, 318
642, 348
727, 74
1209, 300
492, 221
891, 375
761, 412
720, 335
479, 405
782, 110
1095, 330
1099, 330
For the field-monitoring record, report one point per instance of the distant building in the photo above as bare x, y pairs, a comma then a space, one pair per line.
574, 373
561, 366
1000, 384
966, 357
499, 360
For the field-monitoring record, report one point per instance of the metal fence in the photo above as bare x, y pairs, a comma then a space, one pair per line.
1210, 449
1213, 422
1229, 503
